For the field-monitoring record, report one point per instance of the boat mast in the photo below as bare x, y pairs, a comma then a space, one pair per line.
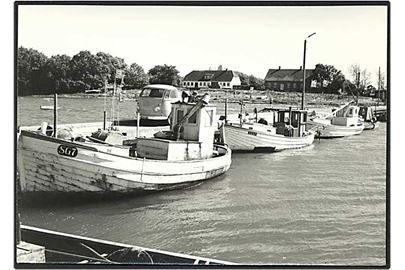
55, 112
105, 104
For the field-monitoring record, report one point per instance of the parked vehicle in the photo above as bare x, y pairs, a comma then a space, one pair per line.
155, 101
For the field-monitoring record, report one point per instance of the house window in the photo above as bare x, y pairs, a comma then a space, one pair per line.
288, 85
227, 84
295, 85
275, 85
281, 86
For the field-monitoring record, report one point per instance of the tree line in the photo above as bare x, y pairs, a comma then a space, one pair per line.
38, 74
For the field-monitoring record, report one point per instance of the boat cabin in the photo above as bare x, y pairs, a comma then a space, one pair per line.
290, 122
347, 116
191, 135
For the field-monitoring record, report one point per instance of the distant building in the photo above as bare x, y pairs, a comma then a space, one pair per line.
224, 79
288, 79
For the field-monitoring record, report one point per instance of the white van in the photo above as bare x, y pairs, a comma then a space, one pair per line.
155, 101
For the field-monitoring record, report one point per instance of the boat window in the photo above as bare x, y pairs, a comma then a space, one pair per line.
193, 119
179, 115
209, 118
155, 93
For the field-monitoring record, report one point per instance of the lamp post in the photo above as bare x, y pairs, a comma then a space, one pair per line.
303, 66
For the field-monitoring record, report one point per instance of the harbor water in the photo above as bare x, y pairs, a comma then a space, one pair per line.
323, 204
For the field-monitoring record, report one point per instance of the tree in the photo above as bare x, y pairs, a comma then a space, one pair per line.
329, 78
244, 78
29, 61
257, 83
360, 77
165, 74
135, 76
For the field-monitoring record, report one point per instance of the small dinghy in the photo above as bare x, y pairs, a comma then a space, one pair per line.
48, 107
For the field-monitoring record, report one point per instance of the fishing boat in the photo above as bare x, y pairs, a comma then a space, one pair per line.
366, 115
287, 132
62, 249
342, 122
171, 159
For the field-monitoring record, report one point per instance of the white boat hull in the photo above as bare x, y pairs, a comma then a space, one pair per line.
327, 130
243, 139
93, 169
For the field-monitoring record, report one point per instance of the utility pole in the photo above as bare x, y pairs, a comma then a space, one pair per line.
303, 76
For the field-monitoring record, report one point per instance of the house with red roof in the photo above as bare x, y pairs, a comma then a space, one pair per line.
288, 79
223, 79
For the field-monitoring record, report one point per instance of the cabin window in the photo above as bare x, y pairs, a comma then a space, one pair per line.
209, 119
193, 119
155, 93
179, 115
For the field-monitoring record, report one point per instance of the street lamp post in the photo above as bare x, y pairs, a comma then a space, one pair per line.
303, 66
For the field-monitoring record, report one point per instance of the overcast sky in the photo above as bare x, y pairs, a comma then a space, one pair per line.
245, 39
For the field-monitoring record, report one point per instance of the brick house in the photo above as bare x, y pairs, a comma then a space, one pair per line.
224, 79
288, 80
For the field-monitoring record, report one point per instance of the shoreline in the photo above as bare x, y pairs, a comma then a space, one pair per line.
247, 96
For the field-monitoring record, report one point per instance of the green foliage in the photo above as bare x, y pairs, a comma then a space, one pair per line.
251, 80
136, 77
328, 78
165, 74
37, 74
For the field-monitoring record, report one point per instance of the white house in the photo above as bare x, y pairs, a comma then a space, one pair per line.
224, 79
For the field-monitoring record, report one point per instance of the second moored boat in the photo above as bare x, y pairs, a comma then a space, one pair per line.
288, 131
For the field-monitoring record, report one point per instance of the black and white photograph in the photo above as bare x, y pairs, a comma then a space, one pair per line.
202, 134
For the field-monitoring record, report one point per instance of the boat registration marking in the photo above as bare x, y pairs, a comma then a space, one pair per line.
252, 133
66, 150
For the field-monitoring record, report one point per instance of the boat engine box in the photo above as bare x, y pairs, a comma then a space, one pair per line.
162, 149
344, 121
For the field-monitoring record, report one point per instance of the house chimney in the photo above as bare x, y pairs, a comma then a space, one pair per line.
279, 67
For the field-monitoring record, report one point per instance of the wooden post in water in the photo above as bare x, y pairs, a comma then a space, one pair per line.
55, 113
241, 112
138, 116
226, 110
